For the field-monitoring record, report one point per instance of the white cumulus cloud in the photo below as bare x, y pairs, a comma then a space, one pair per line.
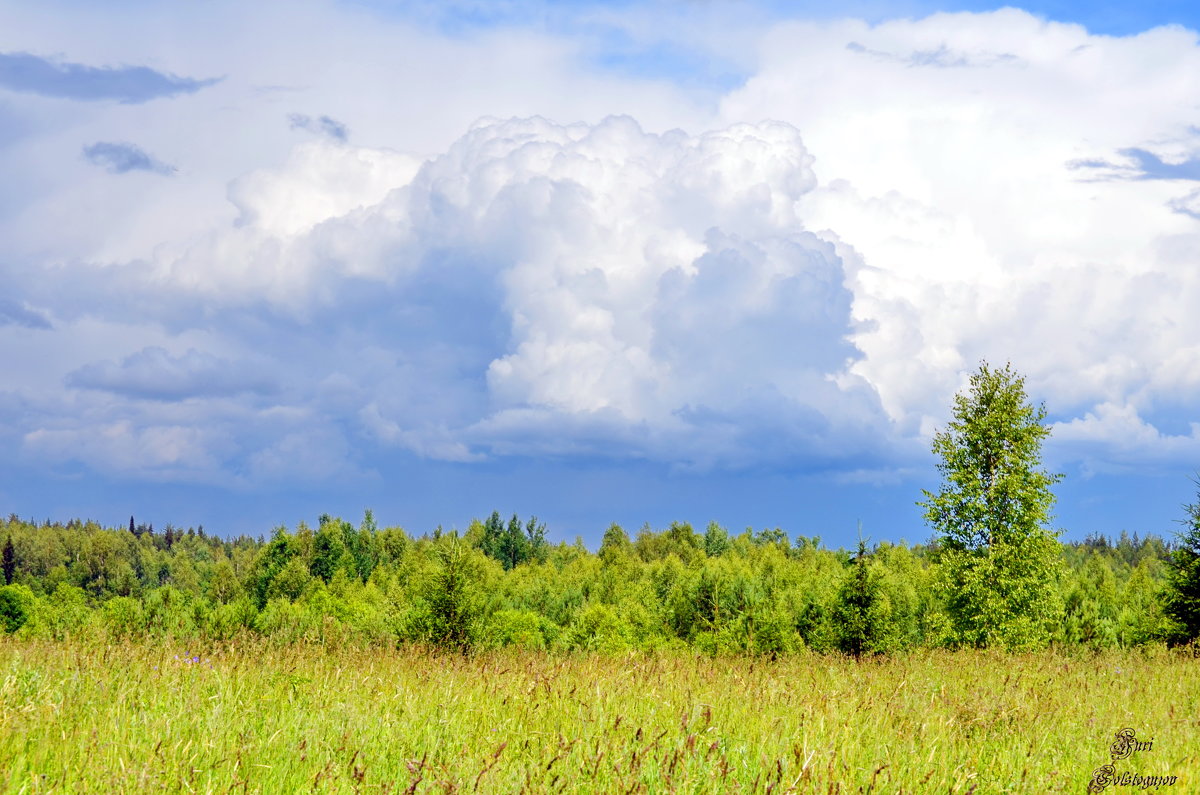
951, 153
612, 283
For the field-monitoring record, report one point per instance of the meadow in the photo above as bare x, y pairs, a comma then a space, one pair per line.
254, 715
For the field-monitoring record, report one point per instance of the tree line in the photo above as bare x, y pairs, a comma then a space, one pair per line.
993, 574
501, 583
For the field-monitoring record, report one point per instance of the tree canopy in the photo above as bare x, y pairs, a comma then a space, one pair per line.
992, 513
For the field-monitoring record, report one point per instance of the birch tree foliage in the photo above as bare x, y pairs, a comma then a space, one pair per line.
999, 560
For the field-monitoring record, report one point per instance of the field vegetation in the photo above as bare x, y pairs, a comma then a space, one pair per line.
257, 716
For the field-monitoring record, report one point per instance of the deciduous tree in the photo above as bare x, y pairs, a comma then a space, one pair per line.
999, 559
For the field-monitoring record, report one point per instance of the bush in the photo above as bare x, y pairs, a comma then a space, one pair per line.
227, 621
523, 628
597, 627
16, 603
123, 616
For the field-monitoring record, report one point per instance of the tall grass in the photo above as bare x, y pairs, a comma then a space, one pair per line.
254, 717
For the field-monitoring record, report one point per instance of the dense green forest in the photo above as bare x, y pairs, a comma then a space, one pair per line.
501, 583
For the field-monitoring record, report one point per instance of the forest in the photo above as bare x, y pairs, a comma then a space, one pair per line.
501, 583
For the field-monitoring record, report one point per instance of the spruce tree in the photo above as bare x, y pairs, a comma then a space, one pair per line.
998, 558
1182, 595
862, 627
453, 598
8, 561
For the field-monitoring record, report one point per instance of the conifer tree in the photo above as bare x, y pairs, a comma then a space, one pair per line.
452, 598
1182, 595
861, 626
8, 561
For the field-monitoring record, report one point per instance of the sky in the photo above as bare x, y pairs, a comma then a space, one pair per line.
594, 262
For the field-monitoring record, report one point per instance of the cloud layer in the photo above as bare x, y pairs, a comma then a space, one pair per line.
155, 374
797, 280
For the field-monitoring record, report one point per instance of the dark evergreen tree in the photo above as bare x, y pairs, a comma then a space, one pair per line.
513, 544
861, 625
363, 548
1182, 595
452, 599
8, 561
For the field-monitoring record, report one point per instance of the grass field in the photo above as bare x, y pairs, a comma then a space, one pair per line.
139, 717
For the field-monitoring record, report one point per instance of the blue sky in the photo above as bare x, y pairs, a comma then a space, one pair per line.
594, 262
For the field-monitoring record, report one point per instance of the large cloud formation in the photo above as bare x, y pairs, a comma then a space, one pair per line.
802, 292
539, 289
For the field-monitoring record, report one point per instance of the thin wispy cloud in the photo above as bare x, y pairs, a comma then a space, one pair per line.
121, 158
14, 313
941, 57
25, 72
154, 373
319, 125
